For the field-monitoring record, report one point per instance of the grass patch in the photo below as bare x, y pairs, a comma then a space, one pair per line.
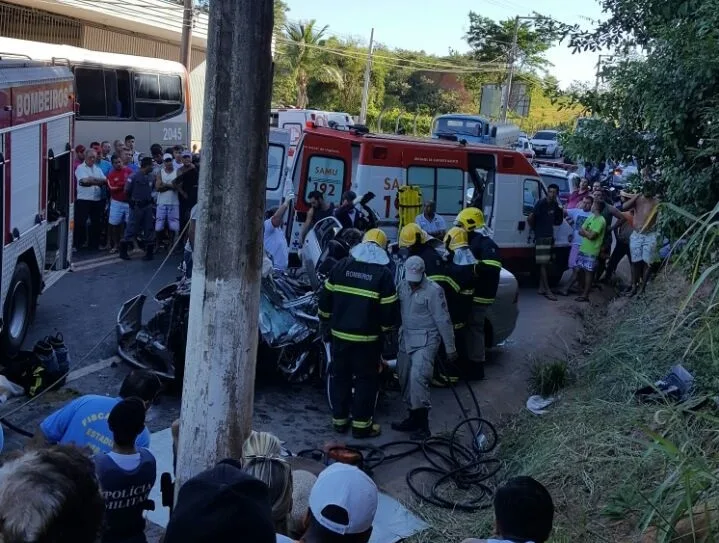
616, 467
548, 379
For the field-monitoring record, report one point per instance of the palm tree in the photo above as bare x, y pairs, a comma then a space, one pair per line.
303, 50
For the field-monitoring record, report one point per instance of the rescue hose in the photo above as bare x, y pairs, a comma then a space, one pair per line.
468, 467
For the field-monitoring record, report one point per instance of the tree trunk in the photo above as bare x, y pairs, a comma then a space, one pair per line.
218, 390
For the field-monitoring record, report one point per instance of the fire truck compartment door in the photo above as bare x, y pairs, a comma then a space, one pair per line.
25, 176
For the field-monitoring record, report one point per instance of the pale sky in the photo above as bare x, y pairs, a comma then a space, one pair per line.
437, 25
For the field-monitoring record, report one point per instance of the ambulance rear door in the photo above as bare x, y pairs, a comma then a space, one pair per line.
323, 163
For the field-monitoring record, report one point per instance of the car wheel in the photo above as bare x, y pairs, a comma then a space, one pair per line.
18, 310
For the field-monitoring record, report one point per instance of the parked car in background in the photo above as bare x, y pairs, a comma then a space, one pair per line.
546, 143
524, 147
557, 176
622, 172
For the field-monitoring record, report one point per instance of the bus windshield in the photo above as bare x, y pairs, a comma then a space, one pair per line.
457, 125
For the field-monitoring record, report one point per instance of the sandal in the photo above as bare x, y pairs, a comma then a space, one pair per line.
581, 299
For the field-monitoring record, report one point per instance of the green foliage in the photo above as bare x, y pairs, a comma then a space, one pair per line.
548, 379
661, 107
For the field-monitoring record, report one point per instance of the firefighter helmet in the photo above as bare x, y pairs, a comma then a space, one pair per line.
470, 219
456, 238
377, 236
411, 234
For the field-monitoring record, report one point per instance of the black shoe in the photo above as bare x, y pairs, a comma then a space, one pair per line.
476, 372
407, 425
341, 428
123, 254
422, 424
149, 250
366, 433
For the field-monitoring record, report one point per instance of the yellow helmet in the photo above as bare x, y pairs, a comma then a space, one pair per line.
410, 234
375, 235
470, 219
456, 238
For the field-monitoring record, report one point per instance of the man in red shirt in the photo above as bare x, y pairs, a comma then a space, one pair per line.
119, 208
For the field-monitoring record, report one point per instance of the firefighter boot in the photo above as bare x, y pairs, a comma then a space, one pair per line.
407, 425
373, 430
123, 250
422, 432
149, 251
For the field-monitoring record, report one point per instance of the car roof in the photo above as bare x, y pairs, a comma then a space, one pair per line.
547, 130
555, 172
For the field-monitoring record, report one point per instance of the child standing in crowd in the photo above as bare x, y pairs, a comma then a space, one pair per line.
126, 475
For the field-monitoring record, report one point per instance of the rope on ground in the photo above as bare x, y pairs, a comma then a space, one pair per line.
144, 290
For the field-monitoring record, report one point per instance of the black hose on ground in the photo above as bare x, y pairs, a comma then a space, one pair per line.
16, 429
466, 466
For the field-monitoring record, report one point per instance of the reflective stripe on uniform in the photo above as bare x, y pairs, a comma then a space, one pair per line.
493, 263
323, 314
329, 286
354, 337
387, 328
340, 422
445, 278
362, 424
389, 299
356, 291
459, 326
467, 292
484, 301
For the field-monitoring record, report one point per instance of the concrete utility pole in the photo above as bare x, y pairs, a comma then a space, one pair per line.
218, 392
510, 75
600, 58
367, 75
186, 45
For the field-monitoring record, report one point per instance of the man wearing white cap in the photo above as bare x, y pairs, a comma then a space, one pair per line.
343, 504
426, 324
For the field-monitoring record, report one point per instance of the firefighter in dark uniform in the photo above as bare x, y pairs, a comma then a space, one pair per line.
487, 272
357, 306
139, 190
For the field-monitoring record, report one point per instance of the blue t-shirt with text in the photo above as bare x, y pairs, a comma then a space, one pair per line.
83, 422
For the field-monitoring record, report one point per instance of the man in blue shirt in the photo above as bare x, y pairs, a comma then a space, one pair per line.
83, 422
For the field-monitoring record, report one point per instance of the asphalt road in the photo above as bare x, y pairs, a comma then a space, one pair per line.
83, 305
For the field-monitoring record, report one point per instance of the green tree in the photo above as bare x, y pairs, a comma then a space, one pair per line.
303, 45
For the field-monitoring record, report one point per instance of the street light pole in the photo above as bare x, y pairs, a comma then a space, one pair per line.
367, 76
186, 43
218, 391
510, 76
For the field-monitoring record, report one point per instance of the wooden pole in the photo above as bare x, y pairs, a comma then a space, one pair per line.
218, 391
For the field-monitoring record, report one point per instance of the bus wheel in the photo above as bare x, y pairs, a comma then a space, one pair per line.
17, 313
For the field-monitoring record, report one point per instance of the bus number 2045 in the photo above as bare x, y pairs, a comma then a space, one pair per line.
172, 134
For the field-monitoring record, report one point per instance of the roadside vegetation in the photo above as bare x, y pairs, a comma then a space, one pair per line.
622, 470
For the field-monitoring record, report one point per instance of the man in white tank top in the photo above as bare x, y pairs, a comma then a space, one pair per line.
168, 201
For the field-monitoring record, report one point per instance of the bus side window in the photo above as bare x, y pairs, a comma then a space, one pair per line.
92, 102
117, 93
157, 96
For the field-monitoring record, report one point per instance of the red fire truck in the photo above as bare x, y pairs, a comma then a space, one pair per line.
37, 106
499, 181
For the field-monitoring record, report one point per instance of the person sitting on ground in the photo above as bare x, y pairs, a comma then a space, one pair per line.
523, 512
50, 495
261, 459
126, 474
83, 422
343, 504
222, 505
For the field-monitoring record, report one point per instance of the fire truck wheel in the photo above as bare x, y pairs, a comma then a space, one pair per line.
17, 313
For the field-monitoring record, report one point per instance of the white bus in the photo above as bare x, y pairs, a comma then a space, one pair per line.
119, 95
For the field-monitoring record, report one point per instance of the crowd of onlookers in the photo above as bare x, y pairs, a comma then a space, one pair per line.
87, 476
106, 199
605, 230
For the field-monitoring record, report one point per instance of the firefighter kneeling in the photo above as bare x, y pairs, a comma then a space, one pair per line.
357, 306
426, 324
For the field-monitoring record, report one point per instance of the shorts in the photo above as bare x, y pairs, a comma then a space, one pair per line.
573, 254
119, 213
643, 247
169, 213
543, 252
586, 262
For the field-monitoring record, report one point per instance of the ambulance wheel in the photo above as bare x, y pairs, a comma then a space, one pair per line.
18, 309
